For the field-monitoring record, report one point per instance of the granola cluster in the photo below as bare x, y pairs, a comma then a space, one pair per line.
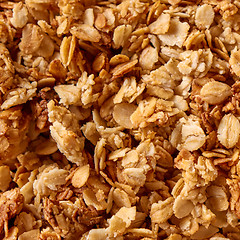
120, 119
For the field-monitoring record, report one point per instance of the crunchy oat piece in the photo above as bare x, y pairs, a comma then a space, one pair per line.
204, 16
67, 49
228, 131
162, 211
129, 90
48, 180
20, 15
161, 25
217, 198
80, 177
215, 92
25, 91
49, 234
14, 127
176, 33
26, 222
11, 203
121, 221
227, 9
81, 94
196, 63
99, 233
121, 35
188, 134
234, 62
5, 177
148, 58
122, 113
65, 131
35, 41
182, 207
86, 33
123, 68
32, 234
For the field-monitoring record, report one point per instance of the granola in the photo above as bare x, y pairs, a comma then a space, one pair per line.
119, 119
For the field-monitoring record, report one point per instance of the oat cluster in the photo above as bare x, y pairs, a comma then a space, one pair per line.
119, 119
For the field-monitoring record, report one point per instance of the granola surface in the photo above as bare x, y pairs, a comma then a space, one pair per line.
119, 119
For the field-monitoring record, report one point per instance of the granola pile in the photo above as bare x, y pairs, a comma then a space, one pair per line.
120, 119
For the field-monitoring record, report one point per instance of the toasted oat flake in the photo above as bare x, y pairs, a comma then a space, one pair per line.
161, 25
5, 177
215, 92
20, 15
204, 16
162, 211
122, 113
228, 131
176, 33
86, 33
80, 177
188, 134
234, 62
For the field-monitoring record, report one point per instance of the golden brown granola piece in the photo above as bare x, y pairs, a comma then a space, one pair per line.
11, 203
66, 132
75, 223
14, 125
48, 234
5, 177
35, 41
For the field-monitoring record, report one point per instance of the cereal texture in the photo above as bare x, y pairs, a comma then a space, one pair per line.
119, 119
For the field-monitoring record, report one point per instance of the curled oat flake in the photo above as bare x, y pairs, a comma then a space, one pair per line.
119, 119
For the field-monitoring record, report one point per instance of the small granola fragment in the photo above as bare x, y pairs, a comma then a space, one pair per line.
217, 198
182, 207
121, 221
48, 180
196, 63
86, 33
14, 127
234, 62
47, 234
148, 58
67, 49
32, 234
11, 203
5, 177
25, 91
124, 68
